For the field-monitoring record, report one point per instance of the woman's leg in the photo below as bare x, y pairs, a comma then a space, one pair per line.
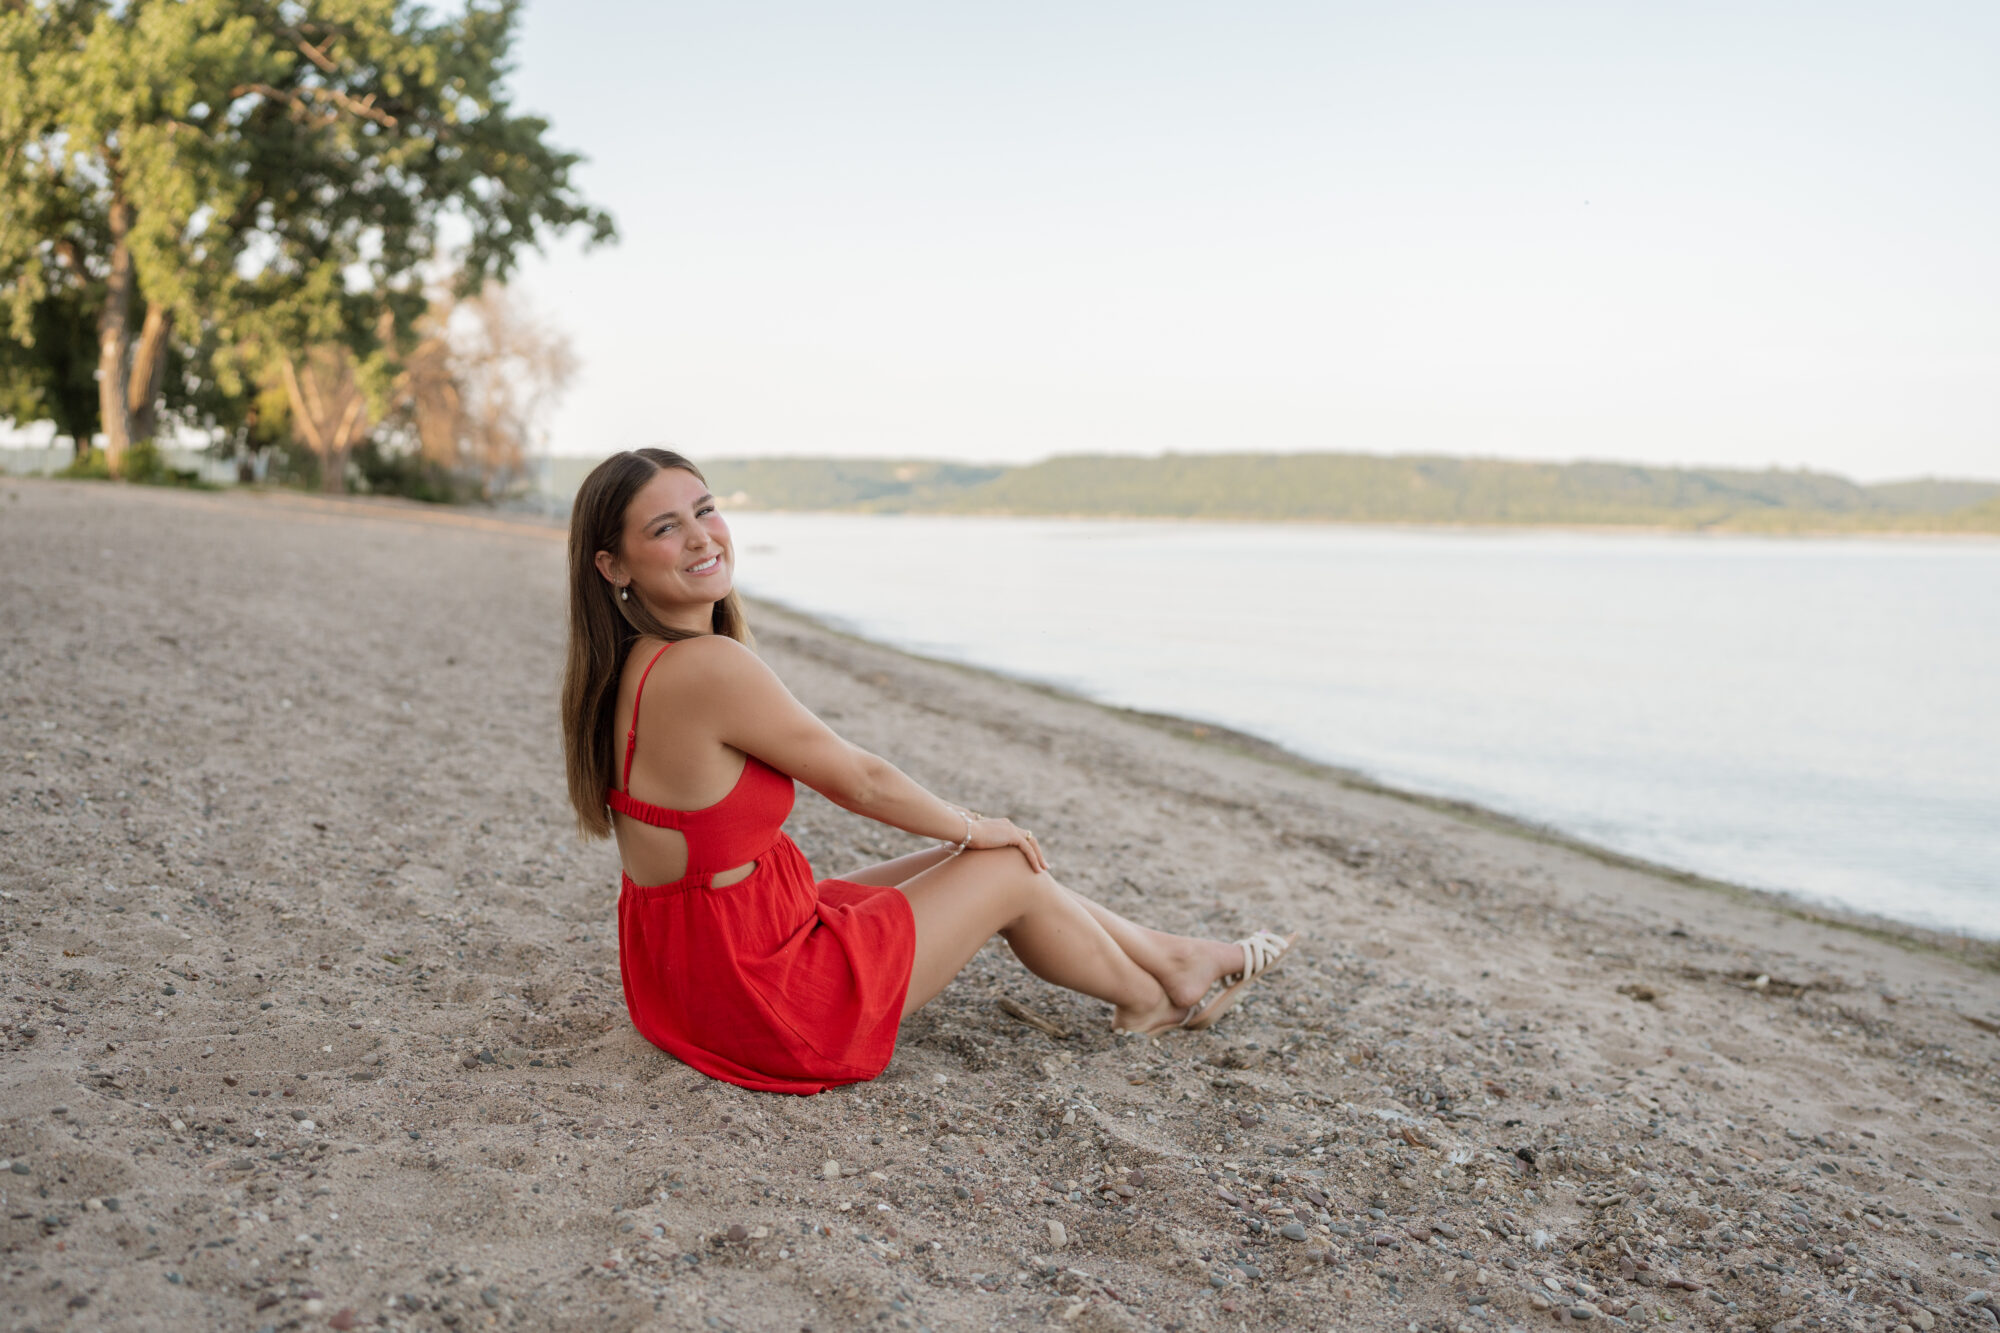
961, 902
1184, 966
891, 874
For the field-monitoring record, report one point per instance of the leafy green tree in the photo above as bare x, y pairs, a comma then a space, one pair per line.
245, 185
54, 378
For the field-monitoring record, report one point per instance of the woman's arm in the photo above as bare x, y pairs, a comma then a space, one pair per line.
750, 709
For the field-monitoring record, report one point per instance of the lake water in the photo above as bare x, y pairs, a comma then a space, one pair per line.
1820, 717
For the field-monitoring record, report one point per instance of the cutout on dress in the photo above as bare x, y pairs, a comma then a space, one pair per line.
655, 856
651, 855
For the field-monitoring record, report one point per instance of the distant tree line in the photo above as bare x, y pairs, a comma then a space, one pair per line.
281, 223
1367, 488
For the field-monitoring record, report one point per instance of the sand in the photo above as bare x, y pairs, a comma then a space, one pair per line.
312, 1015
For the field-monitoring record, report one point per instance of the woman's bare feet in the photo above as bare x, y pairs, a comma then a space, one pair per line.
1159, 1018
1194, 966
1185, 968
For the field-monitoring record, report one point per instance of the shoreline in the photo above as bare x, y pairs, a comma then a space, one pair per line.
1981, 951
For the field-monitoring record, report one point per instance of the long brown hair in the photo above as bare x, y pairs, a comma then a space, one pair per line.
603, 626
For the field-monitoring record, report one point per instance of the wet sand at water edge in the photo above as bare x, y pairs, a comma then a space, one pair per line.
312, 1014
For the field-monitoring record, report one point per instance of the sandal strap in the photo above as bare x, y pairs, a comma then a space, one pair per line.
1260, 950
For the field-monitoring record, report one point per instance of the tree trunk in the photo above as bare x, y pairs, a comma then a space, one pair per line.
114, 341
329, 409
352, 422
149, 371
305, 418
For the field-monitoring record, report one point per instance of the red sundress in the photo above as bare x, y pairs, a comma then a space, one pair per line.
774, 982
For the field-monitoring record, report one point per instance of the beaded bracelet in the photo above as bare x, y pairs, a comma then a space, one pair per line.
966, 841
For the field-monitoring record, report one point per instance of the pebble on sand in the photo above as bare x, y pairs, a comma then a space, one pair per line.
830, 1169
1057, 1236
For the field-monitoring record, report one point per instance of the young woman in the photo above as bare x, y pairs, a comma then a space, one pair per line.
685, 746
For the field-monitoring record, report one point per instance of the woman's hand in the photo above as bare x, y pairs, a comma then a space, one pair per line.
988, 834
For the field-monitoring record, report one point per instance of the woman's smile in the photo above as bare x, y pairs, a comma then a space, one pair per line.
675, 556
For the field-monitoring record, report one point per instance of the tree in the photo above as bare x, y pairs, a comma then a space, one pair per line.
55, 378
243, 181
329, 406
474, 390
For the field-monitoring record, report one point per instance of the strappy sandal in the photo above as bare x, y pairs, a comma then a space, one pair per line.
1167, 1026
1261, 954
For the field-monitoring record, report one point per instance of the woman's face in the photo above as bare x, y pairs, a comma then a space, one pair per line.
676, 555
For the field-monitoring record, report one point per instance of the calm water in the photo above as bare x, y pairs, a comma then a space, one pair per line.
1818, 717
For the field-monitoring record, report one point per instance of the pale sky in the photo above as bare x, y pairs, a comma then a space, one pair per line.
1741, 233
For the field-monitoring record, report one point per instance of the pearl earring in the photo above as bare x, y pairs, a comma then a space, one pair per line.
624, 593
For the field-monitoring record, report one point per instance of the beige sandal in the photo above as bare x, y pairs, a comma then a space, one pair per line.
1167, 1026
1261, 954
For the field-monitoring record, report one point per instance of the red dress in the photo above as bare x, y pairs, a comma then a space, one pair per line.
774, 982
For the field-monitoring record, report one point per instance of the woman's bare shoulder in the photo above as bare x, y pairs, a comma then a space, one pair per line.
708, 648
710, 652
709, 664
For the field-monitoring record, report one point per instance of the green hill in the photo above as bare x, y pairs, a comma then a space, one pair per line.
845, 483
1366, 488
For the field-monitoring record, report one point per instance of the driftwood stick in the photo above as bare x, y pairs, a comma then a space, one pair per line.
1033, 1019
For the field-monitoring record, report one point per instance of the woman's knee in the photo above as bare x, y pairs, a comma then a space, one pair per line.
1005, 864
1015, 888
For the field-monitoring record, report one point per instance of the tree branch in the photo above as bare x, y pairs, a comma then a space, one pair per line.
317, 56
351, 423
248, 209
360, 106
149, 364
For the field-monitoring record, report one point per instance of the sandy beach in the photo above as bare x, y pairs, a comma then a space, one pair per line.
312, 1010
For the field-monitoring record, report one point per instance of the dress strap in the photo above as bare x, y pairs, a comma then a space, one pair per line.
632, 736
